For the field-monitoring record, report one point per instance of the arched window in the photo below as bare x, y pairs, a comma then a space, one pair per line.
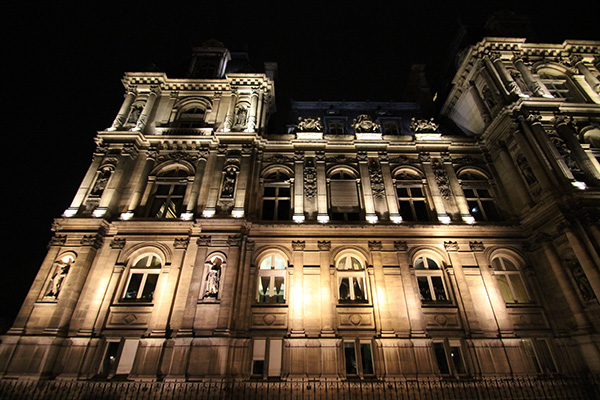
191, 117
343, 196
142, 279
509, 280
412, 199
271, 279
430, 280
277, 197
169, 190
559, 84
479, 198
351, 279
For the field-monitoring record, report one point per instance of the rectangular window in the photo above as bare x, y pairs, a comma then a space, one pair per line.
350, 355
127, 356
449, 357
442, 360
111, 358
267, 357
530, 355
258, 357
336, 127
141, 286
359, 358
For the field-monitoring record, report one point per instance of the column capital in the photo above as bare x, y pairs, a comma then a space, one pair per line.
324, 245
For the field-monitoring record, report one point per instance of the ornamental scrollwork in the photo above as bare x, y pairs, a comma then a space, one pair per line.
309, 125
451, 246
324, 245
364, 124
377, 185
298, 245
441, 178
181, 243
423, 125
310, 180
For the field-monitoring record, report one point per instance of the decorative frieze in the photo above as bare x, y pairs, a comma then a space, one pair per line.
58, 240
375, 245
310, 179
203, 241
377, 185
309, 125
451, 246
181, 243
92, 240
298, 245
117, 243
476, 246
400, 245
234, 240
324, 245
441, 178
364, 124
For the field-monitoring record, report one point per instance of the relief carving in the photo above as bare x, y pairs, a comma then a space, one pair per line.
309, 125
377, 185
364, 124
441, 177
423, 125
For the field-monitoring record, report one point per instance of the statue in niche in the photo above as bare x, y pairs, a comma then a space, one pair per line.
309, 125
241, 116
134, 115
526, 170
583, 284
57, 279
488, 97
213, 279
229, 179
100, 184
423, 125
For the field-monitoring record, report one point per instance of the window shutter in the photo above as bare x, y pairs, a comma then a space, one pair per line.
344, 196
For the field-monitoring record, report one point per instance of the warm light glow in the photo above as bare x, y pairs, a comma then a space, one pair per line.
372, 218
237, 213
208, 213
187, 216
579, 185
298, 218
127, 215
99, 212
323, 218
69, 212
396, 219
444, 219
67, 259
469, 219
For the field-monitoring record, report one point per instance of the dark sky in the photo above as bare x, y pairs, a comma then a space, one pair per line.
63, 65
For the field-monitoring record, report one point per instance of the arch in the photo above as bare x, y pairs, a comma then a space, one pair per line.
163, 251
277, 167
507, 266
429, 251
552, 68
507, 252
461, 172
170, 165
265, 252
343, 169
67, 257
216, 254
408, 168
350, 269
362, 254
190, 102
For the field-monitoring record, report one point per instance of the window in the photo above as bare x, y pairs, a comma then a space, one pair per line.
351, 279
335, 126
343, 196
277, 197
430, 280
390, 127
358, 357
477, 193
412, 200
142, 279
267, 357
191, 117
169, 192
271, 280
558, 85
449, 358
509, 281
111, 358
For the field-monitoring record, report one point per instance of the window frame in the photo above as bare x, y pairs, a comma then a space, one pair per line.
272, 273
509, 276
455, 366
402, 181
277, 183
357, 345
357, 214
429, 274
158, 201
149, 269
476, 182
353, 275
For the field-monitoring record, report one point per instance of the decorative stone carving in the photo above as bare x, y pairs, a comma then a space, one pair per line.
310, 179
464, 161
375, 245
56, 282
309, 125
377, 185
278, 159
298, 245
488, 97
58, 240
92, 240
424, 157
177, 156
181, 243
234, 240
250, 245
361, 156
534, 117
222, 149
241, 118
364, 124
213, 279
324, 245
203, 241
299, 156
441, 177
129, 150
560, 119
451, 246
230, 174
383, 156
526, 170
583, 284
423, 125
341, 159
247, 149
117, 243
476, 246
400, 245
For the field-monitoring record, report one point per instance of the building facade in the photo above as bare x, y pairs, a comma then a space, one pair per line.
366, 241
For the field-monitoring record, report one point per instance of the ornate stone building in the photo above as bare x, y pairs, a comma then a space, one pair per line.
365, 241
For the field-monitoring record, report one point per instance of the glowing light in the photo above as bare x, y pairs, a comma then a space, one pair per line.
127, 215
323, 218
372, 218
474, 210
69, 212
237, 213
396, 219
187, 216
469, 219
99, 212
444, 219
579, 185
208, 213
298, 218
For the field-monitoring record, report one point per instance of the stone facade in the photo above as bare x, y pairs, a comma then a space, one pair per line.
365, 241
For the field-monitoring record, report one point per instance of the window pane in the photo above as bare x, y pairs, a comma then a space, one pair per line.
134, 286
142, 262
519, 289
350, 355
416, 192
279, 263
483, 193
172, 209
269, 191
469, 192
475, 211
342, 263
419, 263
440, 356
356, 265
149, 286
504, 288
402, 192
110, 358
432, 264
406, 211
438, 287
266, 264
263, 289
424, 288
284, 192
490, 210
258, 367
178, 190
163, 189
268, 211
279, 289
366, 358
344, 289
421, 210
530, 354
283, 210
456, 356
155, 262
359, 288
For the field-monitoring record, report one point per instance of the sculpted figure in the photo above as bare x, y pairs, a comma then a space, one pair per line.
213, 279
309, 125
57, 280
423, 125
363, 124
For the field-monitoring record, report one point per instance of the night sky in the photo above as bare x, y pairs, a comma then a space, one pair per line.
64, 64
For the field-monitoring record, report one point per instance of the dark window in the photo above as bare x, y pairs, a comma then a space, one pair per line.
481, 204
109, 364
336, 127
411, 197
343, 197
169, 191
359, 358
142, 279
390, 128
277, 198
430, 280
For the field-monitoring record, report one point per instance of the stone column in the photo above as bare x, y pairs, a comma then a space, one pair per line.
535, 85
588, 75
242, 182
479, 103
327, 297
381, 300
123, 111
215, 184
297, 291
229, 118
566, 131
230, 277
586, 262
143, 119
436, 196
514, 180
194, 285
511, 86
193, 200
322, 215
143, 168
254, 100
411, 291
248, 285
528, 150
85, 186
113, 189
493, 74
390, 190
459, 195
299, 187
579, 316
365, 181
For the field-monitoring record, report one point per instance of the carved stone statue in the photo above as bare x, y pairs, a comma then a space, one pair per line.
241, 116
583, 284
57, 279
423, 125
213, 279
309, 125
100, 184
526, 170
364, 124
134, 115
229, 182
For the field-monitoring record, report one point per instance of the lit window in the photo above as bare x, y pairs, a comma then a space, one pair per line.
343, 197
509, 281
142, 280
271, 280
412, 200
351, 279
430, 280
169, 190
358, 357
267, 357
277, 197
479, 198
